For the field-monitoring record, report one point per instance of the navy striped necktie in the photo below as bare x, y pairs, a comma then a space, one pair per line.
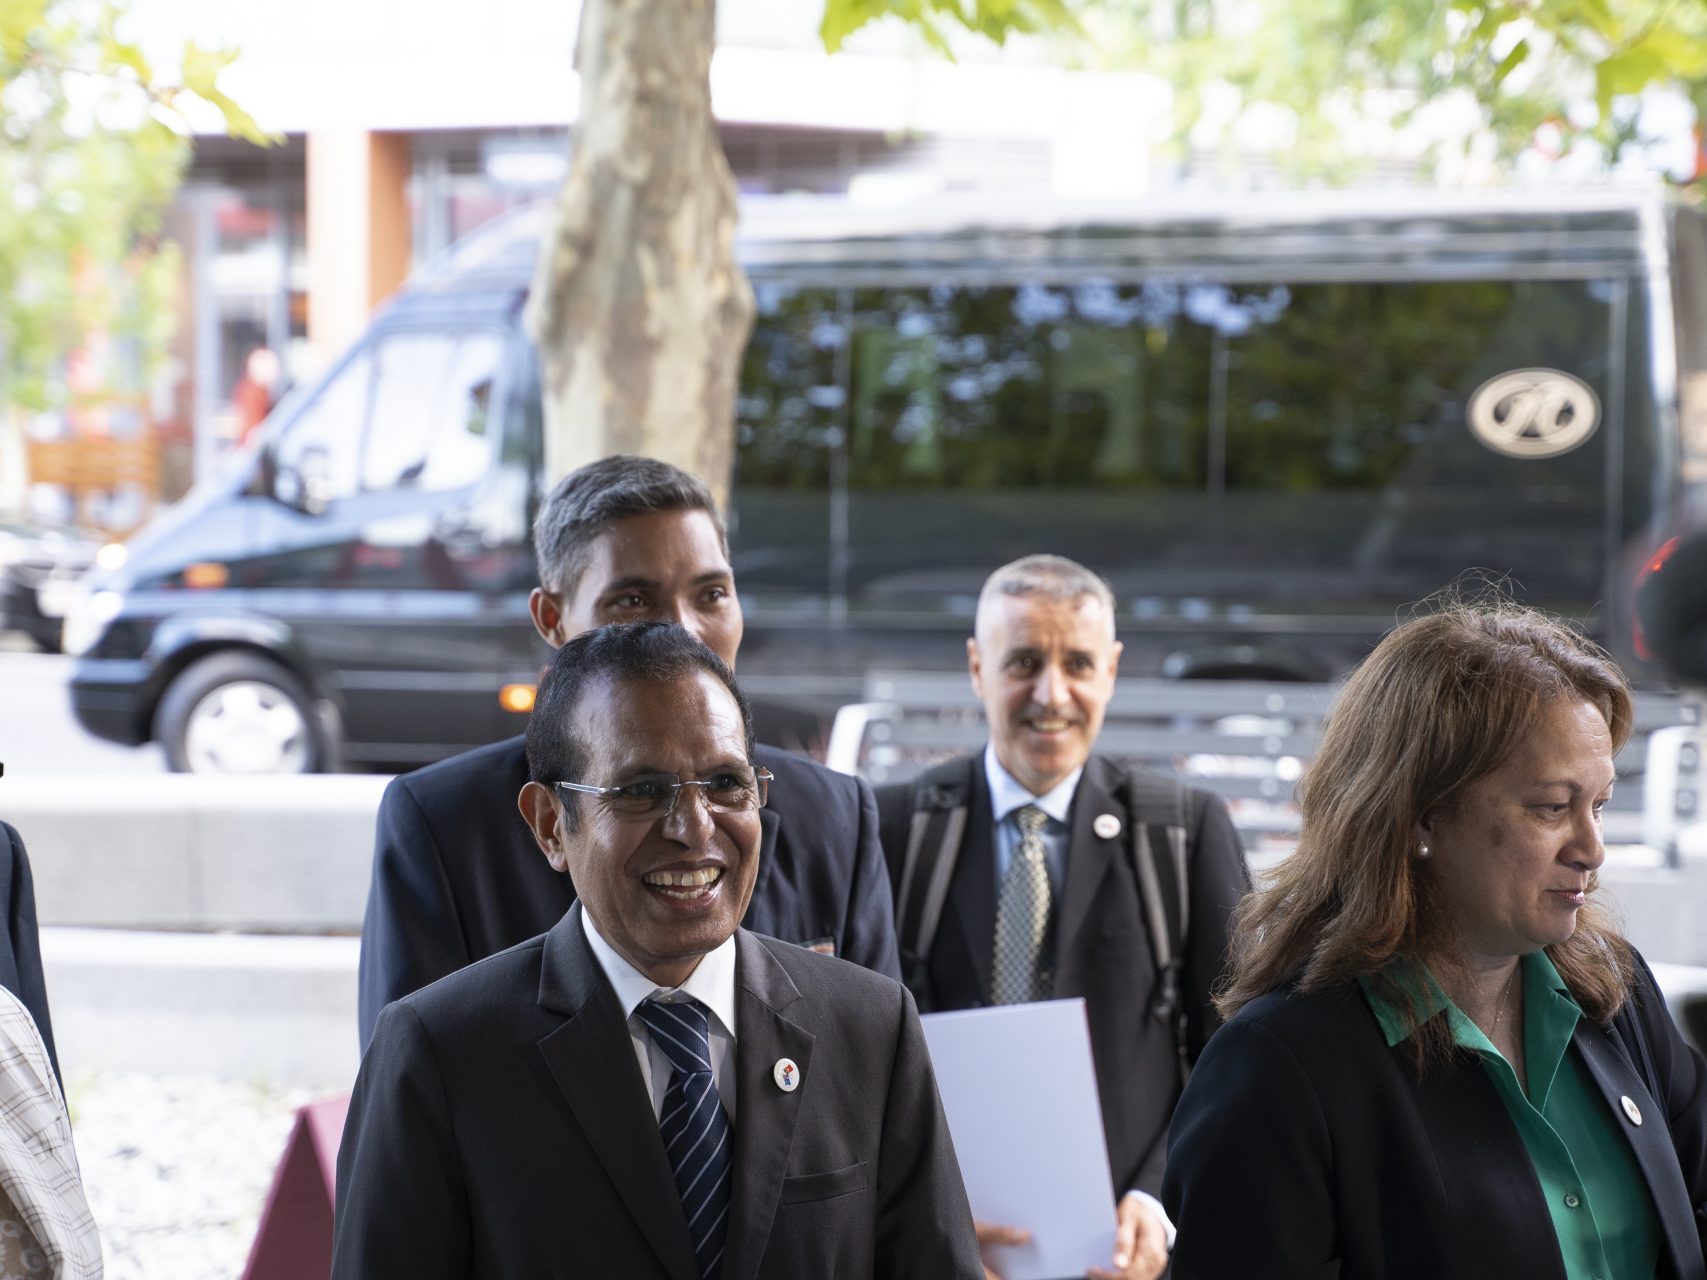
695, 1130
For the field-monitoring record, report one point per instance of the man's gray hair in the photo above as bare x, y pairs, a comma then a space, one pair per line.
1046, 577
584, 505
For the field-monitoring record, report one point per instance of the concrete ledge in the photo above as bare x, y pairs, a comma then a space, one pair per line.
177, 851
1663, 906
294, 855
268, 1010
280, 1011
1662, 910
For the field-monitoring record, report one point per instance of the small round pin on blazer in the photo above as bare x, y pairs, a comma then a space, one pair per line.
1106, 825
1631, 1109
786, 1075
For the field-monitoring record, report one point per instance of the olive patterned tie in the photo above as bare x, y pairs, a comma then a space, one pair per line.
1019, 973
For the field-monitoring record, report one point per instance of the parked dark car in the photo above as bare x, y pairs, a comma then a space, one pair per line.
1272, 424
39, 563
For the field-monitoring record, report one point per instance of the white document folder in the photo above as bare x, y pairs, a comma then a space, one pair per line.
1020, 1093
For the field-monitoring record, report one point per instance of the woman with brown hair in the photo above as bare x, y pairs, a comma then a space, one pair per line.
1442, 1061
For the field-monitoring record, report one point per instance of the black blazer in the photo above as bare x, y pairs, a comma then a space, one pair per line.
20, 949
1305, 1148
500, 1128
457, 875
1103, 950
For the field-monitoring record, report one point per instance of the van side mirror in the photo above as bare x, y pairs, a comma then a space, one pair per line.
263, 481
306, 485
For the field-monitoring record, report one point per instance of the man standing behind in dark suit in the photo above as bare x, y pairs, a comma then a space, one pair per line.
647, 1091
1035, 870
456, 875
20, 940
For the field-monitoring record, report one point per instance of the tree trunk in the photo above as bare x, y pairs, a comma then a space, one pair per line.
639, 309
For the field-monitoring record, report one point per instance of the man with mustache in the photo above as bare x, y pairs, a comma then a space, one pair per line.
1036, 870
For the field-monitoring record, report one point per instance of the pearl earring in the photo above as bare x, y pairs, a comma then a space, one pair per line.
1423, 850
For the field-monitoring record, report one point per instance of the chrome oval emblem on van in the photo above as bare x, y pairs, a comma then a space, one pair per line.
1533, 413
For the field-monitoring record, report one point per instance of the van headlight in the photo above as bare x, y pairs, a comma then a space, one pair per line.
86, 617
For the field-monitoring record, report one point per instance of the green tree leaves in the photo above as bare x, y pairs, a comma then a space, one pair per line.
933, 19
1562, 72
18, 18
92, 148
201, 70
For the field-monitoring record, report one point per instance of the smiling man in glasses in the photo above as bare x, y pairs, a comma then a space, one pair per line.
648, 1090
456, 875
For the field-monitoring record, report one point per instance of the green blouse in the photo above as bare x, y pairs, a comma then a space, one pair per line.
1602, 1213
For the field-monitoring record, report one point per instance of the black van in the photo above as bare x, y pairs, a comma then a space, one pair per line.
1271, 422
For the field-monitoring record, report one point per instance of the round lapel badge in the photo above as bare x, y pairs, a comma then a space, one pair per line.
1631, 1109
786, 1075
1106, 825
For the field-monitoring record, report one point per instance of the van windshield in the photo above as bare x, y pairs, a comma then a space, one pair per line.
407, 410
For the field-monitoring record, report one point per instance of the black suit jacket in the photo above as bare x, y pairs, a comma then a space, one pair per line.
457, 875
1305, 1148
20, 949
500, 1127
1103, 949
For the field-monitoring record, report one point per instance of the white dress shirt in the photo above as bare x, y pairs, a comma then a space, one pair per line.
1007, 796
712, 983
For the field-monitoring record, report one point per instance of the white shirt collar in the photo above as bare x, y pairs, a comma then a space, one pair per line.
1006, 794
712, 982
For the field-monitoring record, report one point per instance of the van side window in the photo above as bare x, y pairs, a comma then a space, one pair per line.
788, 427
410, 410
431, 427
1689, 287
1034, 386
1348, 454
1191, 437
1067, 414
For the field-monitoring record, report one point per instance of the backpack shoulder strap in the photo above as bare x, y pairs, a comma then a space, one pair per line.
1162, 856
1160, 863
933, 847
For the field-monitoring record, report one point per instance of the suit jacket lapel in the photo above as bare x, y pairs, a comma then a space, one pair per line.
768, 825
1651, 1141
765, 1116
1090, 857
592, 1060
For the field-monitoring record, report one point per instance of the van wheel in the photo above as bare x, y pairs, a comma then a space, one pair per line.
237, 713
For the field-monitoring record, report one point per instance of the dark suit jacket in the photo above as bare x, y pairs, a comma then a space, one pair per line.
20, 949
1306, 1148
500, 1128
457, 875
1102, 936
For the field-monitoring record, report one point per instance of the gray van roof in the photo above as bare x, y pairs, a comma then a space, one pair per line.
1396, 233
